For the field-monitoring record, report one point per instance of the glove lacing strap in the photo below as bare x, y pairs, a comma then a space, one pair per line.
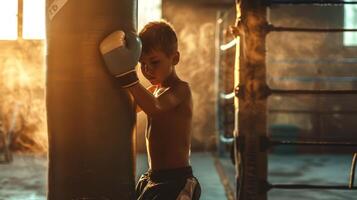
128, 79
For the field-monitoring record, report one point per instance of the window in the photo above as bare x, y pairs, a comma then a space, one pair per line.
34, 19
148, 11
8, 19
350, 21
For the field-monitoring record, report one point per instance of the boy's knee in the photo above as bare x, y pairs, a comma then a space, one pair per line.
197, 191
143, 181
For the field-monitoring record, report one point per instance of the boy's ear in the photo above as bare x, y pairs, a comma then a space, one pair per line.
176, 58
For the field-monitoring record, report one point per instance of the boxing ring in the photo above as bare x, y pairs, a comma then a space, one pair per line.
250, 139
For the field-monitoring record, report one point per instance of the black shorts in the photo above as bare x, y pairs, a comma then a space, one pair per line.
170, 184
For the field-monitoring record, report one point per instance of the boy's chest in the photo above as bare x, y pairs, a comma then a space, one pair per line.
165, 122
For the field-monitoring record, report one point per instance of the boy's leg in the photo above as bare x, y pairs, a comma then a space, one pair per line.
197, 192
191, 190
140, 186
163, 191
184, 189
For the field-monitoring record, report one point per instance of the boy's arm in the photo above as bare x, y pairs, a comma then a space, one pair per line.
152, 105
138, 109
151, 89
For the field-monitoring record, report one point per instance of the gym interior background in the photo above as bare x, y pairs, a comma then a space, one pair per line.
274, 85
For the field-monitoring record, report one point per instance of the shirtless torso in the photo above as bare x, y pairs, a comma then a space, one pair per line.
168, 133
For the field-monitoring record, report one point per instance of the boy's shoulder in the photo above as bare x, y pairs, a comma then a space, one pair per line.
181, 89
182, 86
182, 83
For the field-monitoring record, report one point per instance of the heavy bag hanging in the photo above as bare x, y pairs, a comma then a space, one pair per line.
91, 120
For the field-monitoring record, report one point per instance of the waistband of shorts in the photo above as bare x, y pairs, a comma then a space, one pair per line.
170, 174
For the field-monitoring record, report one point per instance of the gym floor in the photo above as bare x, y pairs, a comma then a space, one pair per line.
304, 169
25, 178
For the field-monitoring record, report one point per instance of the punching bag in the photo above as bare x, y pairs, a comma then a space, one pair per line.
91, 120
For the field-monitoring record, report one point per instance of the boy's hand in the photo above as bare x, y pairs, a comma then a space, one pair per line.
121, 52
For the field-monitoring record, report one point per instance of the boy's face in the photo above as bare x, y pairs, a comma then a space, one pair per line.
156, 66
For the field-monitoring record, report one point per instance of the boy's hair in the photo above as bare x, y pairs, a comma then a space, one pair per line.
158, 35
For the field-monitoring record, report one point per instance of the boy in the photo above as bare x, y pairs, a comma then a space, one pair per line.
167, 103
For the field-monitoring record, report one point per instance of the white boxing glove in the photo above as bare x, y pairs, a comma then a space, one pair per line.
121, 52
